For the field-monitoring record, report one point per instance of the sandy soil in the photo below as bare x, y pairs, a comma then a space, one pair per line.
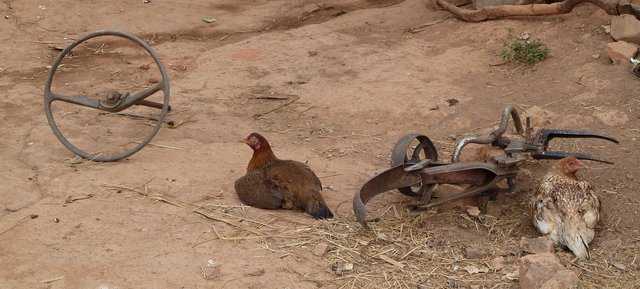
362, 82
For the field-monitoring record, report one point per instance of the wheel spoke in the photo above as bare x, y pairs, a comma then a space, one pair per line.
138, 97
78, 99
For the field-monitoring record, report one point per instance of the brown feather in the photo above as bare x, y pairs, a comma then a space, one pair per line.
272, 183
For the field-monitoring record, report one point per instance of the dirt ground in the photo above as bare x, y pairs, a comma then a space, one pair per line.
358, 81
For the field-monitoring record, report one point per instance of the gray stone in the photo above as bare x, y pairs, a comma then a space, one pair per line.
211, 270
621, 51
544, 271
625, 28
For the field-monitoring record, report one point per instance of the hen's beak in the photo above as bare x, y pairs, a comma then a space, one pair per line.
244, 141
582, 165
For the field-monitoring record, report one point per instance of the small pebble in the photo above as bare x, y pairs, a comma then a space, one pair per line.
473, 211
342, 267
211, 270
56, 220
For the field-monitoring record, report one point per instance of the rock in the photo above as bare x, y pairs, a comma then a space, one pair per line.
342, 267
474, 252
621, 51
209, 19
544, 271
211, 270
473, 211
536, 245
453, 284
452, 101
625, 28
256, 273
320, 249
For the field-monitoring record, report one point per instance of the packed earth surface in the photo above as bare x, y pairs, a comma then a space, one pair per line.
331, 83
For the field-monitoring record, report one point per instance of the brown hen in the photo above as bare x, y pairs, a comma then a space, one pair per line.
272, 183
566, 208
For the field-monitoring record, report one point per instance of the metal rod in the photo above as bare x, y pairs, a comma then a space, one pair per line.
78, 99
139, 96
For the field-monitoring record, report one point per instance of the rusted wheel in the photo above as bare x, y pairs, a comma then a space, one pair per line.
110, 105
409, 150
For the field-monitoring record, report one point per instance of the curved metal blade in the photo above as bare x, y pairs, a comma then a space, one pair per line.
555, 155
547, 135
390, 179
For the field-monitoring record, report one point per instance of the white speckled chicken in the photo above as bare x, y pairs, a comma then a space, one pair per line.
566, 208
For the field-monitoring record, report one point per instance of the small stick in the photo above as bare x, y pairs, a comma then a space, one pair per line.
161, 146
124, 188
228, 222
52, 279
171, 124
329, 176
164, 200
71, 199
409, 253
247, 219
259, 115
424, 26
24, 219
272, 97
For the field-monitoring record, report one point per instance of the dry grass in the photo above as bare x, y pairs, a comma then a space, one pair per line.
408, 250
417, 250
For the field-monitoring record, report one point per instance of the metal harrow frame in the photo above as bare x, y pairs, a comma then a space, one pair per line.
418, 177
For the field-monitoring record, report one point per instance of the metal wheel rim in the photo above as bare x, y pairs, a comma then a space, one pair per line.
48, 99
399, 157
